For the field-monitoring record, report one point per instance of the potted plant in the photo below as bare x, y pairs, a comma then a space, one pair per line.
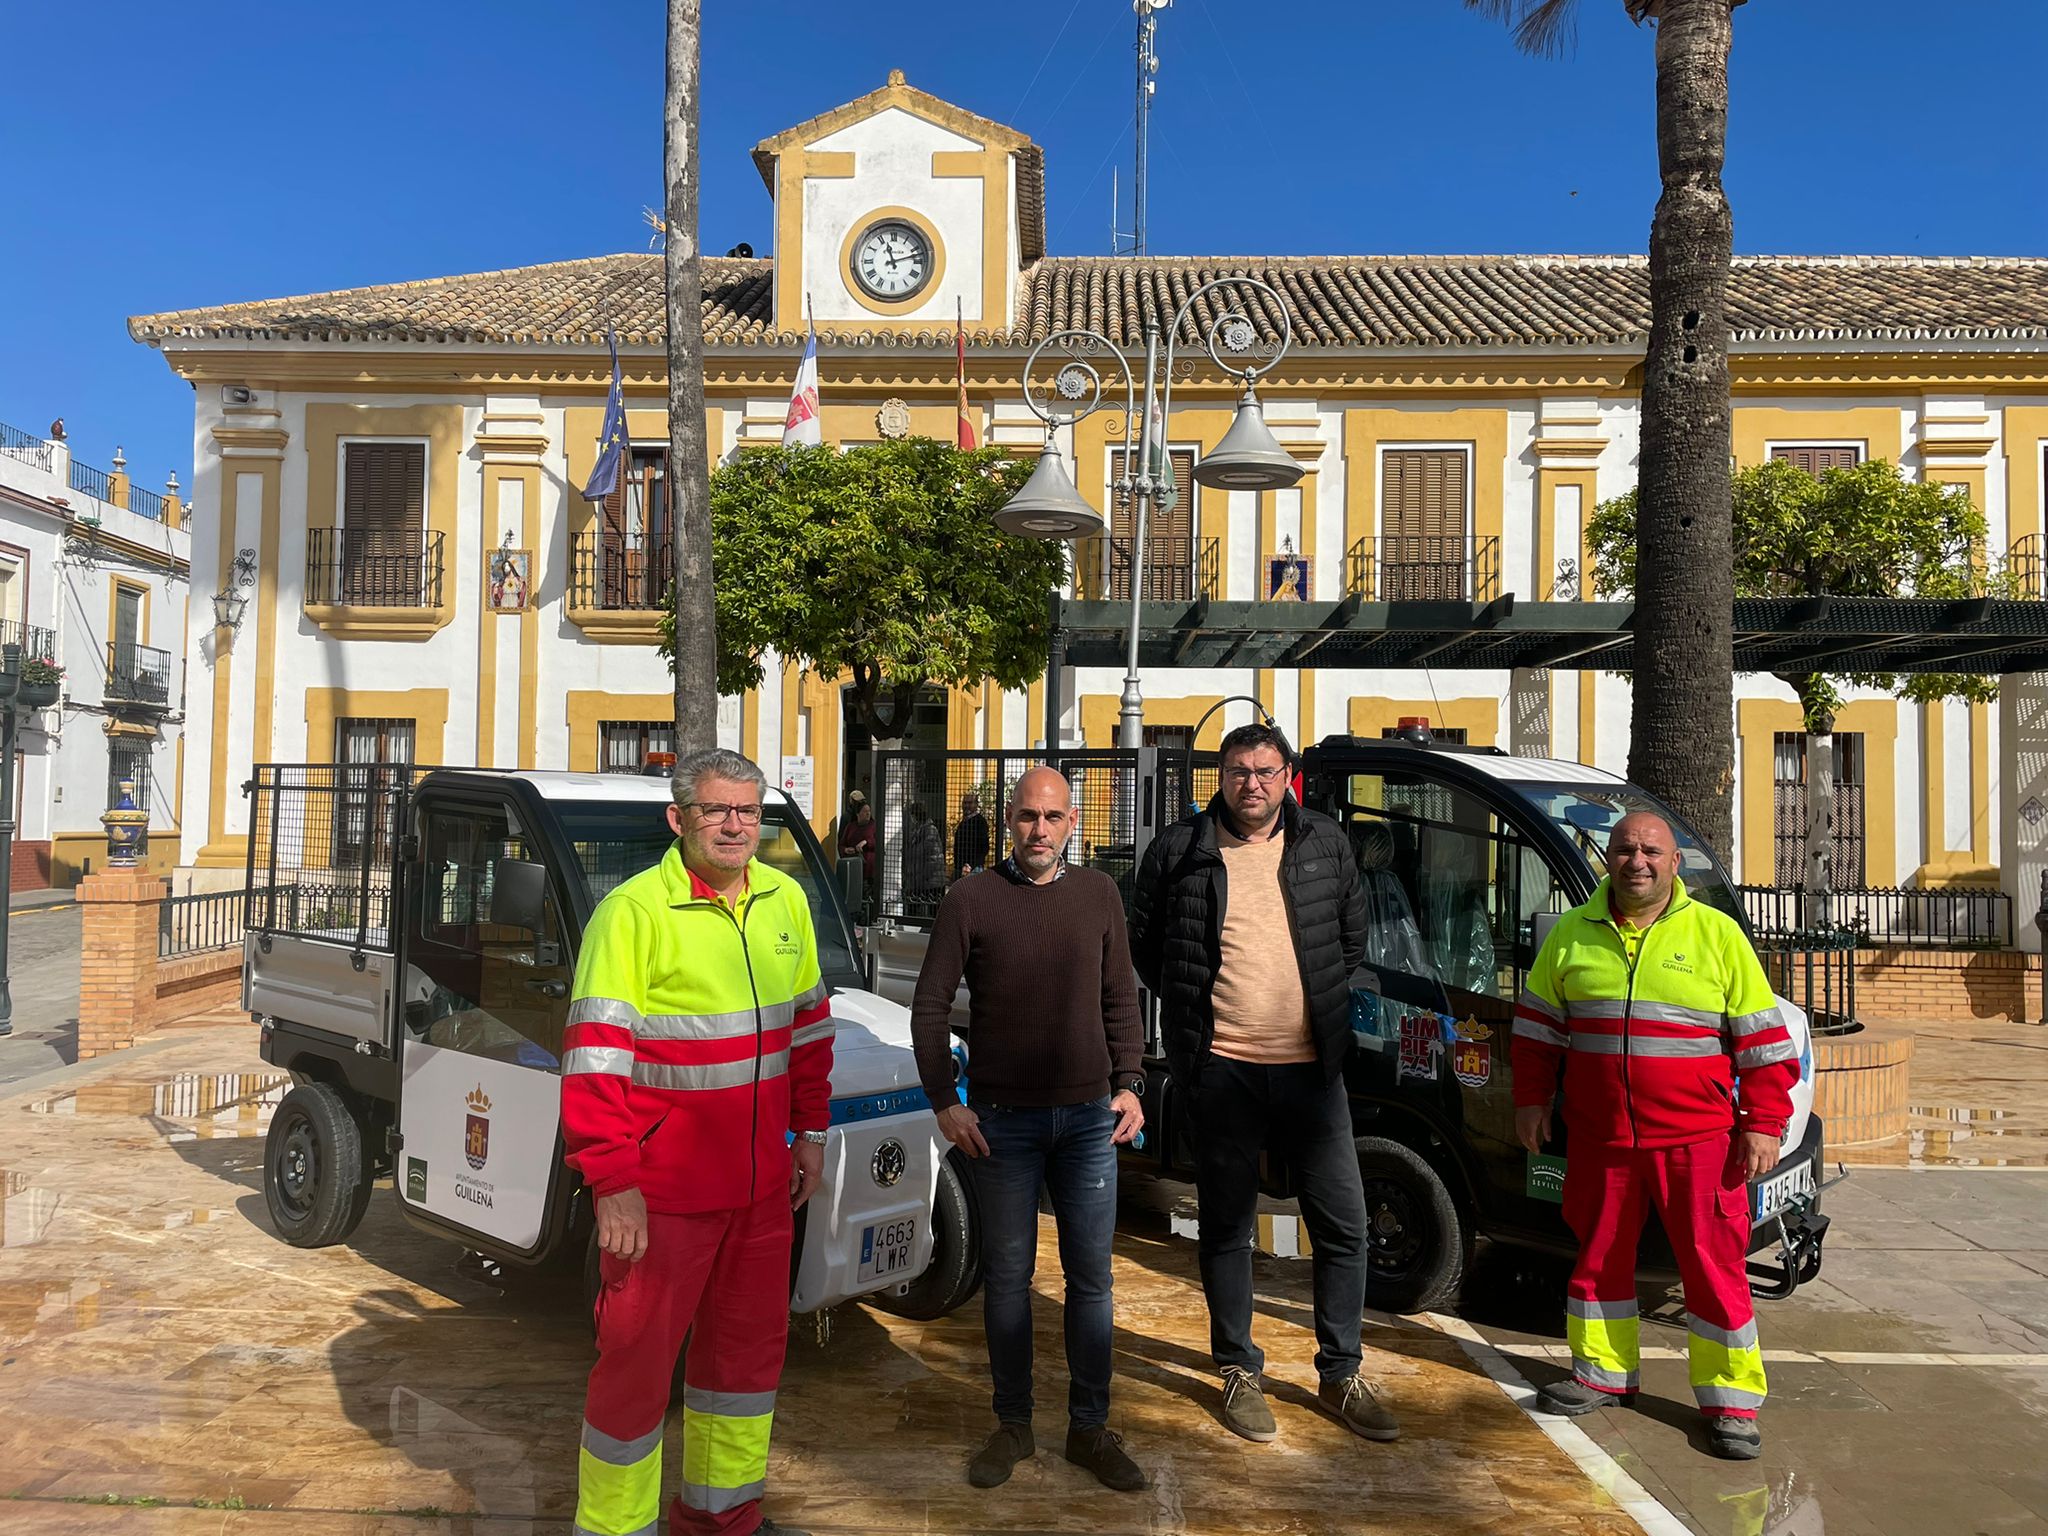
41, 682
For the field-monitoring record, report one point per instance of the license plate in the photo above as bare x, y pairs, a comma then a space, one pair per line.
885, 1248
1783, 1190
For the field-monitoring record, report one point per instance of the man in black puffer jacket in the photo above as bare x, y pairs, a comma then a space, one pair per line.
1247, 922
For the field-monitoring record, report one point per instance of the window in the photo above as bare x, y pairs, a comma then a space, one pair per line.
367, 808
1422, 549
1169, 534
1788, 821
383, 524
623, 745
633, 555
1817, 457
128, 760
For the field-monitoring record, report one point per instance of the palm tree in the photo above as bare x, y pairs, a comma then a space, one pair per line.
1682, 730
696, 655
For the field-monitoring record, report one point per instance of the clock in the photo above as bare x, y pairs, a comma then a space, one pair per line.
892, 260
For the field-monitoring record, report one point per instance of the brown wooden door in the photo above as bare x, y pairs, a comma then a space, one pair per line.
1169, 535
383, 515
1423, 525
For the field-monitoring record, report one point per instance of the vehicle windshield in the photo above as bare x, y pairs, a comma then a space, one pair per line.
1586, 813
614, 841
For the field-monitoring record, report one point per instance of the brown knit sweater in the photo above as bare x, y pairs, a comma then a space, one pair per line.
1053, 1001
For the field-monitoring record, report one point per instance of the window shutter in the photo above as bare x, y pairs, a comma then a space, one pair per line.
1814, 458
1422, 524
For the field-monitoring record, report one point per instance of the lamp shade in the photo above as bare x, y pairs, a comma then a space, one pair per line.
1249, 458
227, 609
1047, 506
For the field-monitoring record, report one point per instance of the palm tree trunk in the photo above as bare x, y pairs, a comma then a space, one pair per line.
696, 659
1682, 731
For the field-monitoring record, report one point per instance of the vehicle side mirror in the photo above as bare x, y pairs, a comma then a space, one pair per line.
519, 892
1539, 930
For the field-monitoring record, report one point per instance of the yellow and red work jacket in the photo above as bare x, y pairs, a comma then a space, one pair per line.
1651, 1027
699, 1037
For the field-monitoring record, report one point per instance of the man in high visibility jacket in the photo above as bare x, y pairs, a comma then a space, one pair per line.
1654, 1005
695, 1095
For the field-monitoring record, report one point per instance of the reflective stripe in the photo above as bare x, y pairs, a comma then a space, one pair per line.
1597, 1008
1764, 1055
615, 1452
1727, 1397
1538, 1004
1728, 1338
1677, 1013
717, 1026
1599, 1376
1576, 1306
598, 1058
1543, 1034
810, 1034
812, 998
744, 1405
603, 1010
716, 1501
721, 1074
1754, 1023
1646, 1045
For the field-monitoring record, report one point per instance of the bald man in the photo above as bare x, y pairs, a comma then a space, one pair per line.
1654, 1008
1053, 1044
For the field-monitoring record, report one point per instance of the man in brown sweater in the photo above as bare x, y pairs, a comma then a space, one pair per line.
1053, 1042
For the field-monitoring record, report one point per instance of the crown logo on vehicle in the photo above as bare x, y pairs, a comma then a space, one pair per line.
479, 1101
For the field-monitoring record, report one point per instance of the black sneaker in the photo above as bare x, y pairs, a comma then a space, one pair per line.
1734, 1439
1573, 1398
1100, 1450
998, 1457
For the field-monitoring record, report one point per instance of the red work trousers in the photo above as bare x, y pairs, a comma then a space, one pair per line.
1703, 1201
722, 1279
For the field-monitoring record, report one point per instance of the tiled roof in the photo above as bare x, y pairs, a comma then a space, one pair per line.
1334, 301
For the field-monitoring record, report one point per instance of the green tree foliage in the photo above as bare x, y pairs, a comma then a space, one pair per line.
1861, 532
880, 561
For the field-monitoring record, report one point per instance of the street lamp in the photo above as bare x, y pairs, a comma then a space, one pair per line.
1048, 505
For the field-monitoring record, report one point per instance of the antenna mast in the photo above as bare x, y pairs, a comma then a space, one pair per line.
1148, 69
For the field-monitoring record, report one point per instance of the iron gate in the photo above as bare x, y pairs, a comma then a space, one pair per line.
927, 836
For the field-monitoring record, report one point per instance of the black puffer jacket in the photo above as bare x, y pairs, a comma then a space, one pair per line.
1177, 930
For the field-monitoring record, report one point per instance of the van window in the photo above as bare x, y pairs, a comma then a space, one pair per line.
1586, 814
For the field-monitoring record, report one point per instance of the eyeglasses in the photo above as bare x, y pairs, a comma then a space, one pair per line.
1246, 775
710, 815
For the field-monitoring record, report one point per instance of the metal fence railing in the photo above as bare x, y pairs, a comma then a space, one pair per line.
1423, 568
204, 920
1816, 970
96, 483
1174, 570
24, 447
21, 642
322, 849
619, 572
362, 569
145, 503
1892, 917
138, 674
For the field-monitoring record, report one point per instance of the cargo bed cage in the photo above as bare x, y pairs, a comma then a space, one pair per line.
325, 841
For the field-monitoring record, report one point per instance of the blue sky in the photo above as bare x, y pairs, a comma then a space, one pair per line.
161, 157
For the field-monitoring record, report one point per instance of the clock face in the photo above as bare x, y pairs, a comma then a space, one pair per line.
892, 260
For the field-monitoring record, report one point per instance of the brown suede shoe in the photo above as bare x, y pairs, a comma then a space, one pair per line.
1355, 1406
1100, 1449
998, 1457
1244, 1406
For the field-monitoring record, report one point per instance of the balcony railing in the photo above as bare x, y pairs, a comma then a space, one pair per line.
138, 674
1402, 568
21, 642
24, 447
623, 573
1175, 570
360, 569
145, 503
96, 483
1889, 916
2024, 563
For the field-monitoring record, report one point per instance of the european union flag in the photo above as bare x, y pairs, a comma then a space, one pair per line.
615, 444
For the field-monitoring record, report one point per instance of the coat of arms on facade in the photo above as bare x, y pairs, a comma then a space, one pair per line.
893, 419
476, 1139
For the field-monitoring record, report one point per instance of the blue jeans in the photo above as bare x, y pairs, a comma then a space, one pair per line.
1066, 1150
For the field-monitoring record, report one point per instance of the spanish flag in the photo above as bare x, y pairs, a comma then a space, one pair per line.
960, 375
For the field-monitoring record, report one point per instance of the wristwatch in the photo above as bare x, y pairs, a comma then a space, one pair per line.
1134, 1086
815, 1138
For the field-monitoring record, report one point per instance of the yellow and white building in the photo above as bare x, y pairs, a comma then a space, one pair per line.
375, 449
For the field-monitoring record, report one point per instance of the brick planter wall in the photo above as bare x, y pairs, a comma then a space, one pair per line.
1859, 1084
123, 989
29, 865
1948, 984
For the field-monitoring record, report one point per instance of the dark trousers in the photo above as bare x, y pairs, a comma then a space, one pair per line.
1241, 1109
1066, 1151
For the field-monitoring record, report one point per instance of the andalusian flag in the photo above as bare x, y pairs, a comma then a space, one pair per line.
802, 426
966, 429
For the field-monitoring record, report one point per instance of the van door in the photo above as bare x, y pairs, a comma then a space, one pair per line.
486, 978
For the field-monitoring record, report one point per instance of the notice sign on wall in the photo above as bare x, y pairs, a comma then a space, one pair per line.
796, 782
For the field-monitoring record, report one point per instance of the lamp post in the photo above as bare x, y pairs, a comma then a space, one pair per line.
1049, 506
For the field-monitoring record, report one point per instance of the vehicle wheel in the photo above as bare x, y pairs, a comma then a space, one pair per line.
1415, 1237
954, 1273
314, 1178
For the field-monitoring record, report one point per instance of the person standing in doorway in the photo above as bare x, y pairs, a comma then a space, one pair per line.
1055, 1042
970, 838
1247, 923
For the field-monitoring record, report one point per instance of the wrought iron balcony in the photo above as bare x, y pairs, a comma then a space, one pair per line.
138, 674
1176, 570
619, 573
21, 642
352, 568
1402, 568
2023, 562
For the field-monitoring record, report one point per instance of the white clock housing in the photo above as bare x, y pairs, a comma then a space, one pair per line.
892, 260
